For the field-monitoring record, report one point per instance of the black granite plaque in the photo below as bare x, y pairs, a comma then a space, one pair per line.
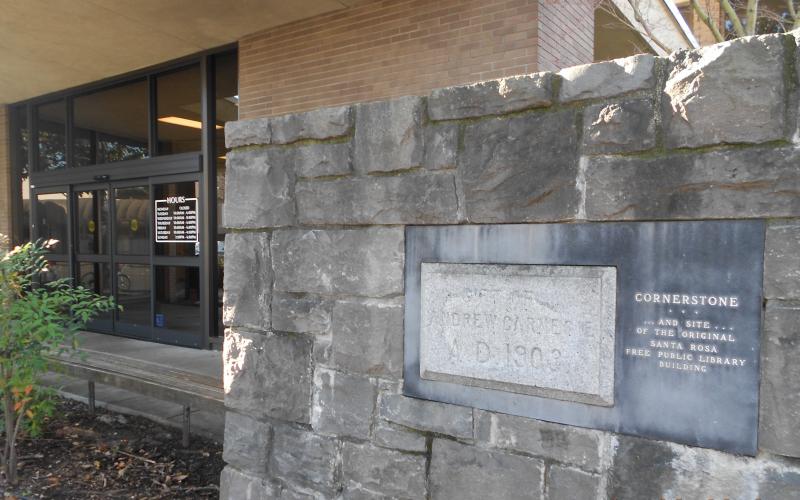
687, 324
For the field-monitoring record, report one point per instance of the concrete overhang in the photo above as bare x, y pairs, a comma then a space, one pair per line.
50, 45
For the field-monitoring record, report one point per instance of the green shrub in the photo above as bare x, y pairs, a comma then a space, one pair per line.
37, 320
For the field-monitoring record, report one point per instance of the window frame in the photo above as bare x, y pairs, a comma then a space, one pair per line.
202, 163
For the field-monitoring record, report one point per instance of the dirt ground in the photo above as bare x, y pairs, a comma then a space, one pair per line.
109, 455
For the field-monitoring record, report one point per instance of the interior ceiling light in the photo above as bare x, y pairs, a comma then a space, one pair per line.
183, 122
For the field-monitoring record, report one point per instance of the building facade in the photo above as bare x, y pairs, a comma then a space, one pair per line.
91, 151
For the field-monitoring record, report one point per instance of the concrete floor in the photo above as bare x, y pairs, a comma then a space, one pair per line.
201, 362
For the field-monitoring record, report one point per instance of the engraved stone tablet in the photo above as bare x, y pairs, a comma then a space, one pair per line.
538, 330
645, 328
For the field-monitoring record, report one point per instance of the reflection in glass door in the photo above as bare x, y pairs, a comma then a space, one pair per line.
51, 222
132, 284
92, 241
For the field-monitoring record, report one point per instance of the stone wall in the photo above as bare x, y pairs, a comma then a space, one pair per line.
317, 203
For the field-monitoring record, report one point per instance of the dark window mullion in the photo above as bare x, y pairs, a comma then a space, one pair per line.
208, 199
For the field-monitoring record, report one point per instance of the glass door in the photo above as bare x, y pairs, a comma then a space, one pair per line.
50, 218
177, 308
131, 255
93, 266
139, 242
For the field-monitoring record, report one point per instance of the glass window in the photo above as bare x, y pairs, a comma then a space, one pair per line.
96, 276
50, 123
92, 222
178, 298
133, 294
22, 203
111, 125
132, 225
55, 271
178, 111
51, 220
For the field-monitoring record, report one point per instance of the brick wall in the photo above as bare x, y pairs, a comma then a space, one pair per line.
701, 32
566, 33
386, 49
5, 174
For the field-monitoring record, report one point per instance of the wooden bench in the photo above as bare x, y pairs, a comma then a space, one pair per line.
191, 390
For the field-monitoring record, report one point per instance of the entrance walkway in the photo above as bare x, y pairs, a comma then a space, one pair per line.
194, 361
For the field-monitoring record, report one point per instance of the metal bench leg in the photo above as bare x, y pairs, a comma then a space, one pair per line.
91, 397
185, 437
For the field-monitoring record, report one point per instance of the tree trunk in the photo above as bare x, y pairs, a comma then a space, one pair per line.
10, 464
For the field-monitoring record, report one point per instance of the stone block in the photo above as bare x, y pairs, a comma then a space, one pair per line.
343, 404
268, 375
247, 132
566, 483
428, 416
247, 281
368, 337
466, 472
405, 199
562, 443
396, 437
322, 351
731, 92
237, 485
781, 484
322, 159
389, 135
381, 472
290, 494
782, 260
730, 183
642, 468
608, 78
780, 379
622, 127
260, 187
306, 314
247, 443
493, 97
521, 169
441, 145
305, 459
366, 262
323, 123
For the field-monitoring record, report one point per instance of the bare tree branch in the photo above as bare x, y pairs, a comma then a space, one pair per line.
734, 18
752, 10
637, 14
707, 21
793, 14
